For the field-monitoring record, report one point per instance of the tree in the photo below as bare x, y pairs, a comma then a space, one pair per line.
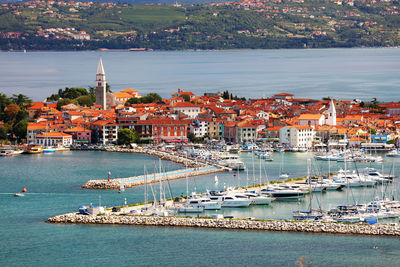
63, 102
151, 98
108, 88
3, 133
191, 137
11, 111
85, 100
186, 98
127, 136
20, 99
19, 129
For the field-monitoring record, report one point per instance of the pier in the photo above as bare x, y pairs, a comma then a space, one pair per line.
151, 178
234, 224
196, 168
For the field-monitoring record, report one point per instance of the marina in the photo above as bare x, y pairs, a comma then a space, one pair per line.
269, 203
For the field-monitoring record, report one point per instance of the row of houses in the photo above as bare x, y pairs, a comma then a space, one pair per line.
281, 118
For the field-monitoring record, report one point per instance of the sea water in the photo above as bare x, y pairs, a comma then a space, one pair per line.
53, 182
362, 73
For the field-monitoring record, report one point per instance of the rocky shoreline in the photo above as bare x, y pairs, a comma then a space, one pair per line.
235, 224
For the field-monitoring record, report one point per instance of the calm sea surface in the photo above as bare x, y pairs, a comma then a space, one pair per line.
343, 73
54, 181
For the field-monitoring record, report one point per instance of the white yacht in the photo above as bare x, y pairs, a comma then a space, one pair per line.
258, 199
205, 202
283, 192
229, 200
232, 161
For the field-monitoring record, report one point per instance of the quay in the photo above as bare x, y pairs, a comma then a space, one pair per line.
234, 224
196, 168
150, 178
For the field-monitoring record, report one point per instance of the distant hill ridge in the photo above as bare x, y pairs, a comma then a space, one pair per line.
225, 25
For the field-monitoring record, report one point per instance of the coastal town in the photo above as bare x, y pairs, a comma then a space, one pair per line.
205, 133
282, 120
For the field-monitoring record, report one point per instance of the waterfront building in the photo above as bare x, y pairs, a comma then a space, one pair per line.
297, 136
53, 139
104, 131
200, 127
34, 129
80, 134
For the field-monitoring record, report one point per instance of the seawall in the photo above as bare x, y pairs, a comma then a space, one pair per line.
151, 178
236, 224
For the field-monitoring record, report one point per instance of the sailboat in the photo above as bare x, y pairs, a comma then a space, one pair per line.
282, 174
190, 206
310, 214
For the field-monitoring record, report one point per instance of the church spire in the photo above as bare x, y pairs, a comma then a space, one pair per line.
331, 120
100, 69
101, 85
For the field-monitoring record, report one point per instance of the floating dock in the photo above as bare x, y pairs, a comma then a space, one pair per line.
235, 224
151, 178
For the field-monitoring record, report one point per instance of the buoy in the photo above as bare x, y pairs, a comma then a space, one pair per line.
24, 190
234, 174
119, 191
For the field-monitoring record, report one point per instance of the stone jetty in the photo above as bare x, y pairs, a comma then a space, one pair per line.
237, 224
189, 162
151, 178
196, 168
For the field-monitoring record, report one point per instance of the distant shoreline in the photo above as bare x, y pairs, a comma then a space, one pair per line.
200, 50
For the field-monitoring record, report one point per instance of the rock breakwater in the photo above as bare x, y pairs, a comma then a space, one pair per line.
243, 224
151, 178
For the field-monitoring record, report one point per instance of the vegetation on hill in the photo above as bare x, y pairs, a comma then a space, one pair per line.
264, 24
13, 117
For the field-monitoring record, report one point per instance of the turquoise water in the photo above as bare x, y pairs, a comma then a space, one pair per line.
54, 181
341, 73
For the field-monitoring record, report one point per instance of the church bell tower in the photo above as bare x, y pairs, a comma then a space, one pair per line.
101, 86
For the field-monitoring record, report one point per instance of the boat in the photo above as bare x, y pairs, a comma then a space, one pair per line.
281, 192
34, 149
229, 200
6, 153
205, 203
17, 152
49, 149
232, 161
21, 194
258, 199
190, 208
307, 215
393, 153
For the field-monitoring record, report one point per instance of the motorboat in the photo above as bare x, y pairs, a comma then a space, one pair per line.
258, 199
229, 200
393, 153
284, 192
19, 194
49, 150
6, 153
190, 208
232, 161
33, 149
204, 202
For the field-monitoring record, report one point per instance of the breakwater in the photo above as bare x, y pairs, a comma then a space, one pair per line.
236, 224
151, 178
